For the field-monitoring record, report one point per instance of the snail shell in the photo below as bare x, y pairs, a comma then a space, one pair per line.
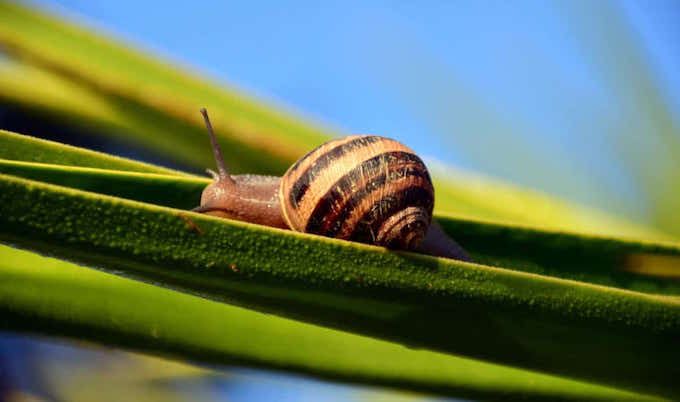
368, 189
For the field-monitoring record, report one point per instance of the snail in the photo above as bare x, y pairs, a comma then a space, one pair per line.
363, 188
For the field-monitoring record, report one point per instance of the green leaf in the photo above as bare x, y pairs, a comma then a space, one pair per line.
47, 95
30, 149
526, 320
181, 192
149, 92
562, 254
53, 297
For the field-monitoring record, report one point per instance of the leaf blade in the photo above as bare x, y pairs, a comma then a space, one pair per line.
31, 149
402, 297
137, 316
604, 260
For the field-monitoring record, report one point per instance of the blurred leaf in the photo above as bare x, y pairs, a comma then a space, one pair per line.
54, 297
645, 126
46, 94
90, 374
147, 92
462, 193
480, 197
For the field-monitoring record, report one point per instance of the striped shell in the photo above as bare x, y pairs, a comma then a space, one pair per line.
368, 189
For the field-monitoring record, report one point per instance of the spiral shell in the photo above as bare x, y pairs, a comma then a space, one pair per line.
368, 189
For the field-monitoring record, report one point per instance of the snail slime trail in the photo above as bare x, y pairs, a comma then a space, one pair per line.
363, 188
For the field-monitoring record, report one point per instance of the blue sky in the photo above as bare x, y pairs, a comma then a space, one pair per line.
519, 90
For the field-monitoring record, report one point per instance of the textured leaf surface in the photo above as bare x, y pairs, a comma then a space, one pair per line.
538, 322
116, 311
601, 260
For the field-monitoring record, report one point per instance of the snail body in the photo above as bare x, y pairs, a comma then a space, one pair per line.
363, 188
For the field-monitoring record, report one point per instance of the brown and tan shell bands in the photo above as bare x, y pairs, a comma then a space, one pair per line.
349, 188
